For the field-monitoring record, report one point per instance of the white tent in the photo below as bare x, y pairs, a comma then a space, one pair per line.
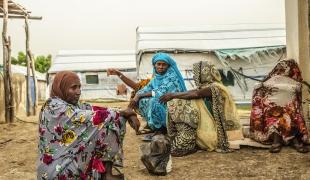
91, 66
252, 49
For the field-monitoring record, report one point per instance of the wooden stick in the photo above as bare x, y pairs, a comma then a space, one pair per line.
7, 77
20, 7
16, 12
30, 57
28, 94
23, 17
12, 102
6, 141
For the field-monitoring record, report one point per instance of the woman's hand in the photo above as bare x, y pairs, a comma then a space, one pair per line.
165, 98
134, 102
112, 71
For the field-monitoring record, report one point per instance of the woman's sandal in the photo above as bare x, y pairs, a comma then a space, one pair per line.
300, 148
275, 148
145, 130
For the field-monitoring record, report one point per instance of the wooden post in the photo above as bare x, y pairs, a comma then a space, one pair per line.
31, 58
297, 44
28, 90
8, 92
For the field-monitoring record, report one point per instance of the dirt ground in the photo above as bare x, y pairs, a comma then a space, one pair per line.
18, 153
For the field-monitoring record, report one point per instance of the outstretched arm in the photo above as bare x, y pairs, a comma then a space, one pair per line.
124, 78
192, 94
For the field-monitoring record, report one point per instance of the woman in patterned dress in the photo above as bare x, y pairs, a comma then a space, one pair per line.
77, 140
276, 116
202, 118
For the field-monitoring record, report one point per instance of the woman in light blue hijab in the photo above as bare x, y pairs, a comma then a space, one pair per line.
167, 79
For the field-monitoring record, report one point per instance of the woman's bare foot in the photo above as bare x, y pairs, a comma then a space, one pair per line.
276, 145
108, 174
134, 123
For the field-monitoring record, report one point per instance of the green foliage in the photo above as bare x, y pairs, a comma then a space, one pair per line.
21, 59
41, 63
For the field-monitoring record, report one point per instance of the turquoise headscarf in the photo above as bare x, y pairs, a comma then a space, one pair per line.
172, 81
173, 69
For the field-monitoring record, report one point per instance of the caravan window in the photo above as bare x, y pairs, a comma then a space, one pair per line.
92, 79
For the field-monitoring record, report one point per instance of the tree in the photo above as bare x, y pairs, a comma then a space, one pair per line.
42, 63
21, 59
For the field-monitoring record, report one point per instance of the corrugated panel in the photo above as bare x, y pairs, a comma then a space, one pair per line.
211, 37
93, 60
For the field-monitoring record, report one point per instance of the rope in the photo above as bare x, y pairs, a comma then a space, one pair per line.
25, 121
187, 76
246, 76
306, 83
254, 79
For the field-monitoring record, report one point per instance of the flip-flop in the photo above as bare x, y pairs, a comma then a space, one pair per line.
275, 148
300, 148
148, 137
145, 131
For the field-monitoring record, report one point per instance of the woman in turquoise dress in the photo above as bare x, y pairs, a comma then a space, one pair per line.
167, 79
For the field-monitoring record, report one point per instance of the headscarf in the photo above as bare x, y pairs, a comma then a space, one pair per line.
288, 68
205, 73
62, 82
171, 69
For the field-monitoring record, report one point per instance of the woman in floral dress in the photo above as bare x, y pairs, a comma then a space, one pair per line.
276, 116
77, 140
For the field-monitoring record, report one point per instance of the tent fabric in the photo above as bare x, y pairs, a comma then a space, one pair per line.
211, 37
93, 60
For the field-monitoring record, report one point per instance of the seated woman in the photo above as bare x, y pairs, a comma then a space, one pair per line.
77, 140
167, 78
276, 116
199, 118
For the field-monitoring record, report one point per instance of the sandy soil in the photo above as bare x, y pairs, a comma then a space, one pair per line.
18, 153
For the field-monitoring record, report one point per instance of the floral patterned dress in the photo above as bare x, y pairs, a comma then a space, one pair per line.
277, 105
74, 141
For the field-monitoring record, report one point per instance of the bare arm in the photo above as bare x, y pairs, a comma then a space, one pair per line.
136, 99
192, 94
124, 78
148, 94
129, 82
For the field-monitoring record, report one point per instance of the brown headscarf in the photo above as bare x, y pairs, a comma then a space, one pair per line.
62, 81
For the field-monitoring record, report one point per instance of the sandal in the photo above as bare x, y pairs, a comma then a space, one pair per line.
275, 148
148, 138
300, 147
146, 130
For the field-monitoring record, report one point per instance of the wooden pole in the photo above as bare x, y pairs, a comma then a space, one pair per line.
8, 93
23, 17
28, 95
30, 57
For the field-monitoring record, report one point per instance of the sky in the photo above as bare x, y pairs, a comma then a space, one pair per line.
111, 24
